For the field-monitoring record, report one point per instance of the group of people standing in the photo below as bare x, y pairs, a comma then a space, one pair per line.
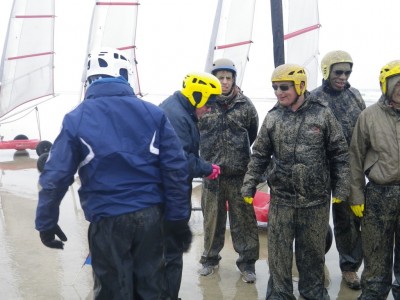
313, 148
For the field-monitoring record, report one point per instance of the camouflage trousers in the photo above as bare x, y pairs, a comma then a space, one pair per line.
242, 221
347, 229
307, 227
380, 234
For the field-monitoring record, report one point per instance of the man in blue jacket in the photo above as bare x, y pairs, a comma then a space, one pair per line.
183, 109
133, 173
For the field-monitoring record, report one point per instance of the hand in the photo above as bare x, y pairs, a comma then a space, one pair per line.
215, 172
48, 238
181, 232
358, 210
336, 200
248, 200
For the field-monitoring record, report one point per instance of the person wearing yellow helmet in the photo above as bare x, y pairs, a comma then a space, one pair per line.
226, 135
283, 78
346, 103
300, 148
375, 155
184, 109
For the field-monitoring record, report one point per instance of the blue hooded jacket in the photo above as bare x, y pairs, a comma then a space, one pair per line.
182, 116
126, 153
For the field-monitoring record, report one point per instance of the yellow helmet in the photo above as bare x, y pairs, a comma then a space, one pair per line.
198, 87
334, 57
291, 72
390, 69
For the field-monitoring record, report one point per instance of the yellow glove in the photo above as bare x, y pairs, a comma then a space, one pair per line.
248, 200
358, 210
336, 200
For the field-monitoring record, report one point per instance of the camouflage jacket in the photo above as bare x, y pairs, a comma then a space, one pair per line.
346, 105
302, 152
227, 132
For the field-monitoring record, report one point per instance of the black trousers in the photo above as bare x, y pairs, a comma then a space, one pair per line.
127, 256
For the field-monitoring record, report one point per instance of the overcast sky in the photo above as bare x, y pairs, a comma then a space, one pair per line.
172, 39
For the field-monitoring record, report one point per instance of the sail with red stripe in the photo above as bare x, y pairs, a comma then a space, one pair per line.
27, 65
231, 34
114, 25
302, 37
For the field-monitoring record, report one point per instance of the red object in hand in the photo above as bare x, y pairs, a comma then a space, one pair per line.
261, 206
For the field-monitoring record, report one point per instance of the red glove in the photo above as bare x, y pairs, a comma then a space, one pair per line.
215, 172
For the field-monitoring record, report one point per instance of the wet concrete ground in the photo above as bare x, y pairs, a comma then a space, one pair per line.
29, 270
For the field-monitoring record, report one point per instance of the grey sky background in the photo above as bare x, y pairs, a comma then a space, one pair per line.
172, 39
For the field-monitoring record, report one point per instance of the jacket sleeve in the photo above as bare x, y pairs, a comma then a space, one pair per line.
253, 123
358, 152
198, 167
338, 155
260, 158
57, 176
174, 174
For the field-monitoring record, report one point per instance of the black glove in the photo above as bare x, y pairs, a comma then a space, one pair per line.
181, 232
48, 238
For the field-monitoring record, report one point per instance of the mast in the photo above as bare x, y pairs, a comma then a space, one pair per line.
213, 39
277, 32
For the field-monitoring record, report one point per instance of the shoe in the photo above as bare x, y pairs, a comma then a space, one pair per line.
248, 276
207, 270
352, 280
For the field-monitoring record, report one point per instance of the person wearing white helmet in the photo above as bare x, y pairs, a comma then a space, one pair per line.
227, 132
184, 108
346, 103
133, 173
375, 187
300, 148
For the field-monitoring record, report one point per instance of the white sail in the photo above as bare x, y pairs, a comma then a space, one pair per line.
302, 37
27, 65
231, 35
114, 25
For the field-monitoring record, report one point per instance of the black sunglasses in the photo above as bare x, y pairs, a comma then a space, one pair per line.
282, 87
340, 72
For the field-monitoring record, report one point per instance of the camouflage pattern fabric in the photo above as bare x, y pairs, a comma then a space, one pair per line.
308, 227
380, 229
242, 220
226, 134
302, 152
346, 105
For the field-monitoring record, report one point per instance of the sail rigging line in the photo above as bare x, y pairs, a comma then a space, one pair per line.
19, 118
26, 113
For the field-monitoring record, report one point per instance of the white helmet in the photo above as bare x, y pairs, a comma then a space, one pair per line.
109, 62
